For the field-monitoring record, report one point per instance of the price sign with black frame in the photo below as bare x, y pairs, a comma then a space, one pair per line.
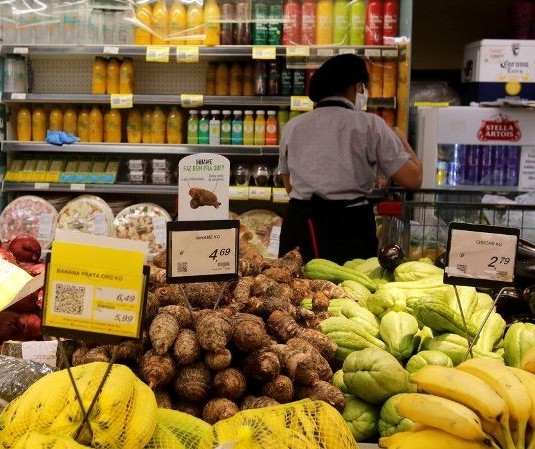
202, 250
480, 255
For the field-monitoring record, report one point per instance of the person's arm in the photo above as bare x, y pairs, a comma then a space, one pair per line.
286, 182
410, 174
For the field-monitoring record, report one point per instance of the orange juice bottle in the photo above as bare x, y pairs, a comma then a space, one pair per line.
38, 124
210, 78
195, 24
98, 79
133, 126
142, 32
146, 126
70, 120
112, 126
248, 128
177, 23
390, 78
112, 76
212, 26
236, 79
126, 76
24, 124
222, 79
83, 125
271, 128
55, 120
248, 79
260, 128
158, 125
174, 126
96, 128
160, 23
324, 22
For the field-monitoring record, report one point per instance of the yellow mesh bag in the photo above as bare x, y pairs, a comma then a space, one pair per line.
36, 440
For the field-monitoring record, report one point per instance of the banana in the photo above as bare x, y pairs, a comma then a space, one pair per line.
429, 438
528, 379
509, 387
441, 413
296, 440
164, 438
528, 360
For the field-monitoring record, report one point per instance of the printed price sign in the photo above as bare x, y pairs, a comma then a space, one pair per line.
301, 104
191, 100
264, 53
157, 53
298, 51
480, 256
187, 53
202, 250
121, 101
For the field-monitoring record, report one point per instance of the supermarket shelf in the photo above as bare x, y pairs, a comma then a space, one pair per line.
80, 188
125, 148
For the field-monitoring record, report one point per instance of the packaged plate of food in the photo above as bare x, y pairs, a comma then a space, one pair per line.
87, 213
29, 215
261, 228
146, 222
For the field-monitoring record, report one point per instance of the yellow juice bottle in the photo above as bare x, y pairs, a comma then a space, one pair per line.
248, 79
38, 124
160, 23
222, 79
146, 126
142, 31
98, 78
195, 24
24, 124
174, 126
248, 128
177, 23
113, 126
133, 126
236, 79
55, 119
158, 125
82, 127
113, 76
70, 120
126, 76
324, 22
212, 26
210, 78
96, 129
260, 128
340, 22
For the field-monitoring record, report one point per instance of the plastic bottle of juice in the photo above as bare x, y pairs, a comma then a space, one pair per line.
236, 79
283, 115
177, 23
24, 124
248, 79
112, 126
146, 126
38, 124
272, 133
324, 22
260, 128
237, 128
275, 25
243, 24
390, 20
55, 119
174, 126
228, 14
112, 76
82, 128
210, 78
193, 127
340, 22
96, 129
195, 24
390, 78
98, 78
222, 79
133, 126
70, 120
104, 122
126, 76
215, 128
160, 23
260, 27
204, 128
142, 34
248, 128
374, 23
158, 125
212, 27
308, 22
226, 128
357, 22
291, 32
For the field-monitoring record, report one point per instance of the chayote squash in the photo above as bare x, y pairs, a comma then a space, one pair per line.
399, 331
390, 421
374, 375
362, 418
427, 357
415, 270
467, 297
355, 290
425, 334
493, 330
484, 301
338, 381
331, 271
519, 338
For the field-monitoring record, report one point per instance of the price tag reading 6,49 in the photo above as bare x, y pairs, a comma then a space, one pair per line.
202, 250
480, 256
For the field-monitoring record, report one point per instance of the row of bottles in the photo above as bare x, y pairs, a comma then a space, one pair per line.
112, 76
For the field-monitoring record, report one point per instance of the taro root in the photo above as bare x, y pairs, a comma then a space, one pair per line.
281, 388
193, 382
163, 332
186, 348
217, 409
230, 383
157, 370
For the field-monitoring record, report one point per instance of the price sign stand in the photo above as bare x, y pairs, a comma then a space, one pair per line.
480, 256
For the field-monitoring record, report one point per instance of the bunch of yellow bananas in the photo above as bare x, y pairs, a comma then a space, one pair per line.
482, 403
124, 415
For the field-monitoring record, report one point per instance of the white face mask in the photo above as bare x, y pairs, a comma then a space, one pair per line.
362, 99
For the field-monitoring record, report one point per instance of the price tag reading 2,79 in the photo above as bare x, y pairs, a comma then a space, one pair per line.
480, 255
202, 250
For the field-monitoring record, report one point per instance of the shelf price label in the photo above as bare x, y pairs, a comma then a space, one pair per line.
187, 53
261, 52
298, 51
372, 52
191, 100
280, 195
121, 101
238, 192
157, 53
480, 255
202, 250
303, 104
260, 193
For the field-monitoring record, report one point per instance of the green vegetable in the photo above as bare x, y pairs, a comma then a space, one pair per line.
331, 271
353, 263
362, 316
519, 338
484, 301
428, 357
415, 270
399, 331
374, 375
306, 303
390, 421
337, 324
369, 267
355, 290
361, 418
467, 297
492, 331
425, 334
338, 381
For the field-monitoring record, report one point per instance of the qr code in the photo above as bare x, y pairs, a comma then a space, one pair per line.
69, 299
182, 267
461, 268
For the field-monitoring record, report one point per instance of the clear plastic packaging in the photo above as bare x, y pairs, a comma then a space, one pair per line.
87, 213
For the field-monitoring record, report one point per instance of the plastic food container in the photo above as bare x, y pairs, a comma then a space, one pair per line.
29, 215
87, 213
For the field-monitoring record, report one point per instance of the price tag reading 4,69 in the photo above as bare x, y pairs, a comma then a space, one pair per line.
202, 250
480, 256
